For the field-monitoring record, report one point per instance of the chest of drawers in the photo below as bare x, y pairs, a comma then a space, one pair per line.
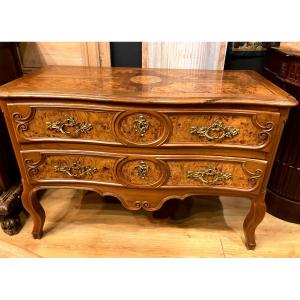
145, 135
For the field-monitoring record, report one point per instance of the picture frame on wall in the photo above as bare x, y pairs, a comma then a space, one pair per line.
252, 49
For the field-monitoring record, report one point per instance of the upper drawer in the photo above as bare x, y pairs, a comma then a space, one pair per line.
145, 127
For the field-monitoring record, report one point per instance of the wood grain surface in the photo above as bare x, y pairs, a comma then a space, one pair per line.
165, 127
36, 120
113, 169
242, 106
43, 167
175, 87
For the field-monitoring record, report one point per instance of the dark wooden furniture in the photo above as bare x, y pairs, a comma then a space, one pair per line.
145, 135
283, 194
10, 67
10, 189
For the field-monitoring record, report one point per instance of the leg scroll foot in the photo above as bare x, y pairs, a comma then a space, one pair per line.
34, 208
37, 235
253, 219
250, 246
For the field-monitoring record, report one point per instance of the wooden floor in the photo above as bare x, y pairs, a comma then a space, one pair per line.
81, 224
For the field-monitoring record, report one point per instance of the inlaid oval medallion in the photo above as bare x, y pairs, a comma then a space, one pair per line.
142, 172
139, 128
145, 79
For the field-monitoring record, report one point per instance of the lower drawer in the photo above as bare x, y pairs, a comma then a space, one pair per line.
181, 171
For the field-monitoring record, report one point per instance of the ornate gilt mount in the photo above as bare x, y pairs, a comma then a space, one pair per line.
69, 122
142, 169
76, 170
210, 176
216, 127
141, 125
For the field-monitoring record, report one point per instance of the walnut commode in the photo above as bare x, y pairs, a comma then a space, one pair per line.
145, 135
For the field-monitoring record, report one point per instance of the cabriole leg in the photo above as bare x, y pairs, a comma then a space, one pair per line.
34, 208
253, 219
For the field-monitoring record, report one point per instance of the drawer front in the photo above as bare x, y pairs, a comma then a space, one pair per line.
182, 171
48, 124
147, 128
248, 129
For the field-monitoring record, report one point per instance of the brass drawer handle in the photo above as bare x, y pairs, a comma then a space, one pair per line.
76, 170
141, 125
69, 122
218, 127
142, 169
210, 176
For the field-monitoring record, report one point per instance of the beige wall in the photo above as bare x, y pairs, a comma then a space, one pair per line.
39, 54
184, 55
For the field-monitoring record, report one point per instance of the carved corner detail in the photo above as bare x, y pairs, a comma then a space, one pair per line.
142, 204
265, 129
23, 122
33, 167
254, 177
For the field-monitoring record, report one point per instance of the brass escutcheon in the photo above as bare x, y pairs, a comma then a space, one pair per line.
141, 125
69, 122
142, 169
210, 176
217, 126
76, 170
